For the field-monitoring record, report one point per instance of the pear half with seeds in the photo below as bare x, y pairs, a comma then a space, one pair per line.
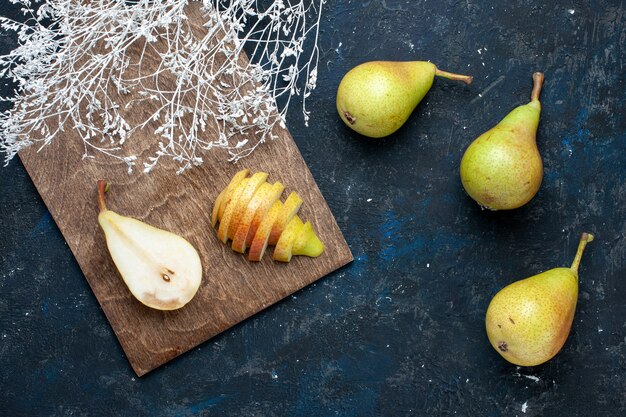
161, 269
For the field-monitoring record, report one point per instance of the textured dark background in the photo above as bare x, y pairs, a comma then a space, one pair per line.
400, 331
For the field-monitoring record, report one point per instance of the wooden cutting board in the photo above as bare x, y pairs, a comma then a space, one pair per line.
232, 288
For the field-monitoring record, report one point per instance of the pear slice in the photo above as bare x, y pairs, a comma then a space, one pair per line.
258, 206
256, 180
307, 243
277, 191
161, 269
225, 219
229, 193
239, 241
283, 249
298, 239
226, 194
290, 208
262, 235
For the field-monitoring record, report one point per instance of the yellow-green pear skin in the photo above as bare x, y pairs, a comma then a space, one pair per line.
307, 243
528, 321
502, 168
264, 220
161, 269
376, 98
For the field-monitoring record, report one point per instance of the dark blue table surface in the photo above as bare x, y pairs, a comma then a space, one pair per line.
400, 331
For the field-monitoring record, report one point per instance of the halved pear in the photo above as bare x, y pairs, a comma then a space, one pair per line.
307, 243
265, 196
290, 208
282, 251
224, 197
161, 269
262, 235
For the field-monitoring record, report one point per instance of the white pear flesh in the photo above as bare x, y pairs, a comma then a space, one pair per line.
161, 269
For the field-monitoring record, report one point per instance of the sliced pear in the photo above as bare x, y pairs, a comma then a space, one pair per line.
229, 210
282, 251
216, 207
226, 194
262, 235
256, 180
274, 195
239, 241
250, 213
290, 208
265, 196
307, 243
161, 269
231, 190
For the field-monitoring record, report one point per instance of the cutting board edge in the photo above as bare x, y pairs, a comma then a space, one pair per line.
140, 371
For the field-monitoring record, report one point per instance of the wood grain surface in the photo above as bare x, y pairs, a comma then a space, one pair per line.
232, 288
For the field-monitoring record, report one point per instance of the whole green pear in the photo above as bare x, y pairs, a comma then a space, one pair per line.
502, 169
376, 98
529, 320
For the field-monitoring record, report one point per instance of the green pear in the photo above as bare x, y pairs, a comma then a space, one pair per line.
502, 169
376, 98
161, 269
529, 320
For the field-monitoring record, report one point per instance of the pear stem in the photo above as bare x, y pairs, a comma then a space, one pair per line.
102, 188
467, 79
537, 85
584, 239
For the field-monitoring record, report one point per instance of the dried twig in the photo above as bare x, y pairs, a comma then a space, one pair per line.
76, 65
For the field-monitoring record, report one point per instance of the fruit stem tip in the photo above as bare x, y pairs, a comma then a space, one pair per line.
584, 239
467, 79
538, 78
103, 187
